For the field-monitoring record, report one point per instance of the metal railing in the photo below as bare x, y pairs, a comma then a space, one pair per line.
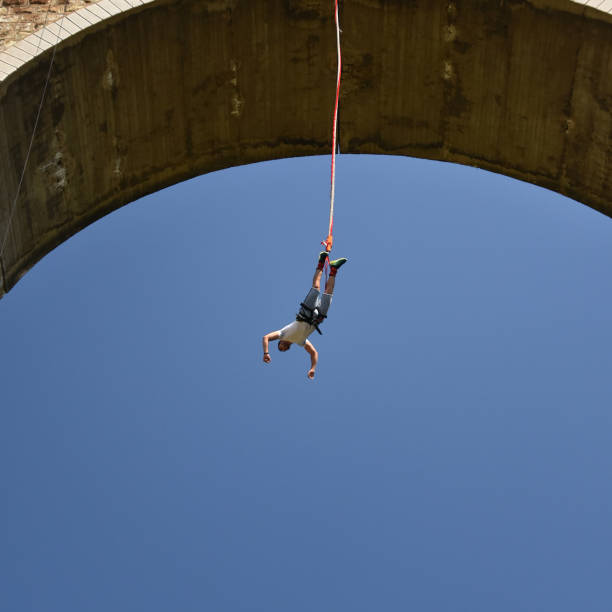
600, 5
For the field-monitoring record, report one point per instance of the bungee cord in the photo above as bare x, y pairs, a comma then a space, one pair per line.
328, 242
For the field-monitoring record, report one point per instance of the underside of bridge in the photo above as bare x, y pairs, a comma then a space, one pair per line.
177, 88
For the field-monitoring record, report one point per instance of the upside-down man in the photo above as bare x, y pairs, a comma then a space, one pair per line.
313, 310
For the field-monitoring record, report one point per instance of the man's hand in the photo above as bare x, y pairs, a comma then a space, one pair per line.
314, 357
265, 342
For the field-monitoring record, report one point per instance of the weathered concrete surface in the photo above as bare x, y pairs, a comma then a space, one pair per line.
18, 18
179, 88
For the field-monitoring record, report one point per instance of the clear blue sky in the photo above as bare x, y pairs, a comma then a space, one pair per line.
452, 454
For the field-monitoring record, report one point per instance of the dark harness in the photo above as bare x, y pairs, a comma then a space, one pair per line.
312, 316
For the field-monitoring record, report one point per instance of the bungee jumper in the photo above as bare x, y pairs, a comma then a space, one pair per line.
313, 311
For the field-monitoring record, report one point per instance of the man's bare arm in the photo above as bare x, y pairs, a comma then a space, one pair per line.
275, 335
314, 357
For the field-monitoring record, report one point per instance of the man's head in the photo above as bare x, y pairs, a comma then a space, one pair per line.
283, 345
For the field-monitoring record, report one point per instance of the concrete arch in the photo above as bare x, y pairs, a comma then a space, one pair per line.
172, 89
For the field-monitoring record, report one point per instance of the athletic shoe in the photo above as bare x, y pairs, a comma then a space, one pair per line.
338, 262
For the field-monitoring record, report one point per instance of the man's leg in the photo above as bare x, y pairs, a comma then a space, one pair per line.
333, 270
326, 298
311, 301
316, 279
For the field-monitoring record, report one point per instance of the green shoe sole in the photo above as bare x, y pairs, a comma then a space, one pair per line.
338, 262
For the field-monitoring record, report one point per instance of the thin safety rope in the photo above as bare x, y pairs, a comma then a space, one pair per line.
42, 99
330, 235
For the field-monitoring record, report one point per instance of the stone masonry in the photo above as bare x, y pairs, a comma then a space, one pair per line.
161, 91
20, 18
